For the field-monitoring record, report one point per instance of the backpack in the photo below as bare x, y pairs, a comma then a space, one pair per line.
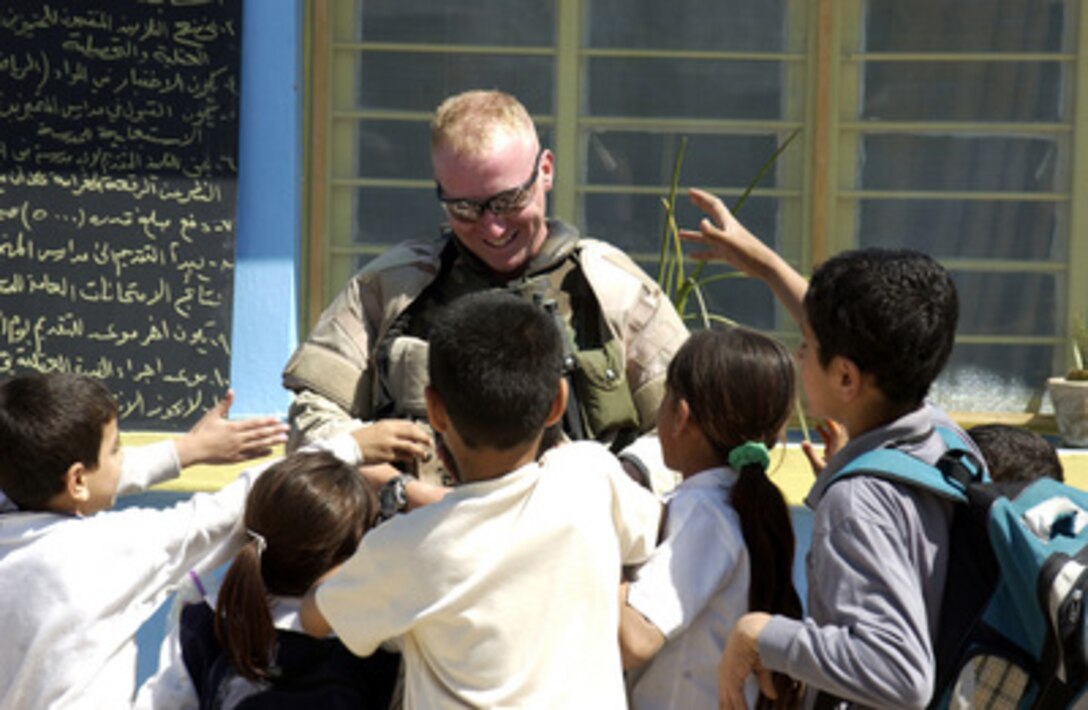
1012, 632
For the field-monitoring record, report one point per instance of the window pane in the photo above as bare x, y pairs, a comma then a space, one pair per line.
741, 300
671, 88
734, 25
419, 82
507, 22
636, 222
736, 298
993, 378
391, 215
640, 158
394, 149
918, 162
964, 91
965, 26
1007, 304
983, 229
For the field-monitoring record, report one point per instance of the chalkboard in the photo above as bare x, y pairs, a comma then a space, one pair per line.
118, 167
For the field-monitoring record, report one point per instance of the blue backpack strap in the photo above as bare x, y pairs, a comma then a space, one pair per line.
954, 472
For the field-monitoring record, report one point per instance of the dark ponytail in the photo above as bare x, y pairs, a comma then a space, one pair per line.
304, 515
739, 385
243, 622
768, 534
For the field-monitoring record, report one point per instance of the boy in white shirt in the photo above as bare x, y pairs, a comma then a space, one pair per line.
502, 594
77, 580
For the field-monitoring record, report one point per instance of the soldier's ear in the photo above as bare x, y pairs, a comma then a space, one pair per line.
547, 169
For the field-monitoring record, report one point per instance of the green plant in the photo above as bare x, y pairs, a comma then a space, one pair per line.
671, 276
1078, 343
680, 286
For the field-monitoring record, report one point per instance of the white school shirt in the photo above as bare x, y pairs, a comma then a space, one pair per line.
74, 591
693, 589
504, 593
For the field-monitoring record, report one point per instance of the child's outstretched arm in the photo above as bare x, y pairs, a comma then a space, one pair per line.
728, 240
640, 640
215, 439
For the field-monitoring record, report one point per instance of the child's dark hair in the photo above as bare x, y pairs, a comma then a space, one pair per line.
1016, 454
304, 515
739, 385
47, 423
892, 312
495, 361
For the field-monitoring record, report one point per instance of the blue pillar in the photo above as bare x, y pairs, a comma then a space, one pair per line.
265, 320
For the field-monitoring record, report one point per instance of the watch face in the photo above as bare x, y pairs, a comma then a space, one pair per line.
392, 497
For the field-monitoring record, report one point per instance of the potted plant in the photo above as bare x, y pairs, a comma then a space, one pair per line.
1069, 394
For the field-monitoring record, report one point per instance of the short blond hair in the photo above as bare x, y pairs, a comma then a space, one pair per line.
470, 122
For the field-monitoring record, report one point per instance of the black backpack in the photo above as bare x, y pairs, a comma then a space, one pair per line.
1012, 632
308, 673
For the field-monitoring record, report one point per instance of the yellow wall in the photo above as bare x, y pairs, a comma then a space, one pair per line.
790, 471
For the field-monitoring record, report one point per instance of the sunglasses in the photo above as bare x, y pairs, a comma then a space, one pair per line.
506, 202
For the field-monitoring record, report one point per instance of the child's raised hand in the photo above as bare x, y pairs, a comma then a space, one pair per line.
728, 240
215, 439
724, 238
833, 435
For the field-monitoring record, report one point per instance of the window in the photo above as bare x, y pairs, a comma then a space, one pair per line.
948, 126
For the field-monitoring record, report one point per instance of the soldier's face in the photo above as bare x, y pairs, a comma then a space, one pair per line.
511, 228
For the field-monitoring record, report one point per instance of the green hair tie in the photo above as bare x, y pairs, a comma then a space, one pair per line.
747, 453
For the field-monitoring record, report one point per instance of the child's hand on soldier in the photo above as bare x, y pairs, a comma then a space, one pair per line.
391, 440
215, 439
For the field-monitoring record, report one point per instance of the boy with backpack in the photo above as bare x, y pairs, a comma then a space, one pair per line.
502, 594
895, 508
877, 327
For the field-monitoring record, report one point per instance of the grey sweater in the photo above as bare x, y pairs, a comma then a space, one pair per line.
876, 571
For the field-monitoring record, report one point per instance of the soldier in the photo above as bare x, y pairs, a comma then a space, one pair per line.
365, 364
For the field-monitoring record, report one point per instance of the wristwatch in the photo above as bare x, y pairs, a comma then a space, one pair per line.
393, 496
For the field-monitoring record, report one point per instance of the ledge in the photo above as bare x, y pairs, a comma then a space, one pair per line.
789, 469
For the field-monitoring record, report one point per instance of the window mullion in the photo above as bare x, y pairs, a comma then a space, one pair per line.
568, 69
1077, 280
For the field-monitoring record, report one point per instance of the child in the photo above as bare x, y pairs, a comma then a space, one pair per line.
77, 580
878, 326
502, 594
878, 329
304, 516
1016, 454
728, 395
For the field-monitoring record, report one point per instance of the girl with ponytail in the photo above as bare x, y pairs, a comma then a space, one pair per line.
727, 546
304, 516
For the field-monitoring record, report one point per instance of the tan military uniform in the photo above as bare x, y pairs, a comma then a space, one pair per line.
366, 357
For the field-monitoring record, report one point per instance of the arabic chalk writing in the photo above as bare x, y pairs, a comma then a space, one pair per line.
118, 170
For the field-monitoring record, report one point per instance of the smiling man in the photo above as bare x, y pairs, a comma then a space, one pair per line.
364, 363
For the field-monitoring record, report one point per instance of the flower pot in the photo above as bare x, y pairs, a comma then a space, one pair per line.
1070, 399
